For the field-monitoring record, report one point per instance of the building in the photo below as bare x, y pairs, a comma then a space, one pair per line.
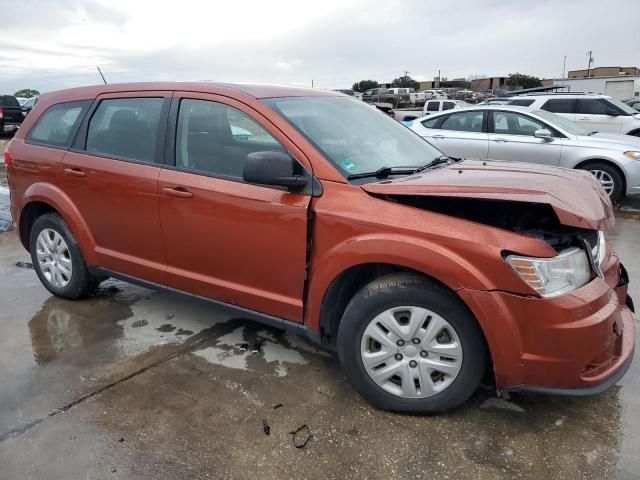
604, 72
489, 83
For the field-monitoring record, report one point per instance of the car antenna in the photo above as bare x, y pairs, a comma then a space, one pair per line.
100, 72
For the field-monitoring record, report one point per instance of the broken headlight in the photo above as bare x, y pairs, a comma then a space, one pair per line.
551, 277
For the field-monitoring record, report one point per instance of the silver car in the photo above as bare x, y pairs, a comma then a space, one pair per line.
505, 132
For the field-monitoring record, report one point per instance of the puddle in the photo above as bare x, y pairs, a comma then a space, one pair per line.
276, 350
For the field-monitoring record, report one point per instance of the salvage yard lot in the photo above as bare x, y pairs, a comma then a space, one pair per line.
138, 383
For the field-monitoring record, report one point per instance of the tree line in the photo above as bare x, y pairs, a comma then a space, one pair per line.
513, 80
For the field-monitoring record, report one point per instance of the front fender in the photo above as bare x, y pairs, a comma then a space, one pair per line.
426, 257
60, 201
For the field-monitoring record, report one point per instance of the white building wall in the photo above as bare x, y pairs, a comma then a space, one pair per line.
599, 84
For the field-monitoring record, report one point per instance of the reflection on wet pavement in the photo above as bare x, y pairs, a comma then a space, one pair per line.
189, 388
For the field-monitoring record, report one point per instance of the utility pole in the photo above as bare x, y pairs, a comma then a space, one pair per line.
564, 65
312, 83
589, 64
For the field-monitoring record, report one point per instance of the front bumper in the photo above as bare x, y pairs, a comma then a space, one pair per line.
581, 343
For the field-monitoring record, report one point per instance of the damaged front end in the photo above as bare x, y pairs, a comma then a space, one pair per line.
580, 250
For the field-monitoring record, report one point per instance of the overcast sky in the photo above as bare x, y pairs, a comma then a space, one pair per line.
53, 44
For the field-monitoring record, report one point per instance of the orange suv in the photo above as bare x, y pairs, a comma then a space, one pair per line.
310, 210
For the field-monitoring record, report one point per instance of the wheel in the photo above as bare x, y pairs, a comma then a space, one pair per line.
609, 177
57, 258
407, 344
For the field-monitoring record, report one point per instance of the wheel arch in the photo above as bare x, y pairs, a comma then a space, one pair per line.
42, 198
612, 164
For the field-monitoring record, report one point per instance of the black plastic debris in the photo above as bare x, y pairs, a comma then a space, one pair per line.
266, 428
243, 347
277, 406
28, 265
256, 348
301, 436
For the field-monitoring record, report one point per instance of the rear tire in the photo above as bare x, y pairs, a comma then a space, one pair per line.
418, 387
609, 177
57, 259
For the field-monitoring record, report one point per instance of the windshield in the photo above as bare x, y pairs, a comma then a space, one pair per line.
352, 135
562, 123
623, 106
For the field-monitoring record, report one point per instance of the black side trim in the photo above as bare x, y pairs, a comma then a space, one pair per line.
266, 319
576, 392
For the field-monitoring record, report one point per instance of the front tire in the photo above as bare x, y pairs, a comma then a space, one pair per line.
407, 344
609, 177
57, 258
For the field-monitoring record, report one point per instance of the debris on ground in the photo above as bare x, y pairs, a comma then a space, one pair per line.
256, 348
243, 347
502, 404
139, 323
301, 436
28, 265
277, 406
266, 428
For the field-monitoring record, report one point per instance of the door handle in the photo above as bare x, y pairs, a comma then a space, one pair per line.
439, 137
584, 119
179, 192
75, 172
500, 140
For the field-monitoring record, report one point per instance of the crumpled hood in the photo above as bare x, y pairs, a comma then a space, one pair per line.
576, 196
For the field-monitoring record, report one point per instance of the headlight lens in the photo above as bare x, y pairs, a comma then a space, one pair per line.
555, 276
633, 155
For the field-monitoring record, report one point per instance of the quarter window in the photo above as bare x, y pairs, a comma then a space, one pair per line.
508, 123
463, 122
431, 123
125, 128
559, 105
56, 126
215, 138
522, 103
448, 105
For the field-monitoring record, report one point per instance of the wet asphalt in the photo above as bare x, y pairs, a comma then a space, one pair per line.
133, 383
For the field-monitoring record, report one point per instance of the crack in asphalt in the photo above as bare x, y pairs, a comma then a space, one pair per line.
185, 347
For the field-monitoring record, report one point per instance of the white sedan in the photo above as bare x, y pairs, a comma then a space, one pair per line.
505, 132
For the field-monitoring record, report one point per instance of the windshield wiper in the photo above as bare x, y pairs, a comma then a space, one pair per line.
384, 172
438, 161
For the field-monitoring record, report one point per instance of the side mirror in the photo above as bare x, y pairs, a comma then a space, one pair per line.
273, 168
612, 112
544, 134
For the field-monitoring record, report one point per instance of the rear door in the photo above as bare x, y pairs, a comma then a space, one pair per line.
237, 242
462, 134
111, 176
565, 107
593, 114
511, 137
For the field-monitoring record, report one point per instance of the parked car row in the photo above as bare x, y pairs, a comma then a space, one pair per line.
312, 211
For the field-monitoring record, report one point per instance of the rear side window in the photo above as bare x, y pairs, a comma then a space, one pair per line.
559, 105
125, 128
593, 106
522, 103
433, 106
464, 122
448, 105
57, 125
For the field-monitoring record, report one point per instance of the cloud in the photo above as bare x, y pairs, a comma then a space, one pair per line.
57, 44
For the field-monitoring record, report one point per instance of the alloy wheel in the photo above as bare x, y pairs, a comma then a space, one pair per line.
411, 352
605, 180
54, 258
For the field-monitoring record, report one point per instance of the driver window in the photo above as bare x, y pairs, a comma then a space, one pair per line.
508, 123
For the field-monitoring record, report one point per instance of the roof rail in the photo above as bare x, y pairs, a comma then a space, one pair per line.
556, 93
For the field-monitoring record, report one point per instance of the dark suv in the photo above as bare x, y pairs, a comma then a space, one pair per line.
10, 114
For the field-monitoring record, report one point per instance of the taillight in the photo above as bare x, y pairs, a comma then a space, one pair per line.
1, 112
7, 158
